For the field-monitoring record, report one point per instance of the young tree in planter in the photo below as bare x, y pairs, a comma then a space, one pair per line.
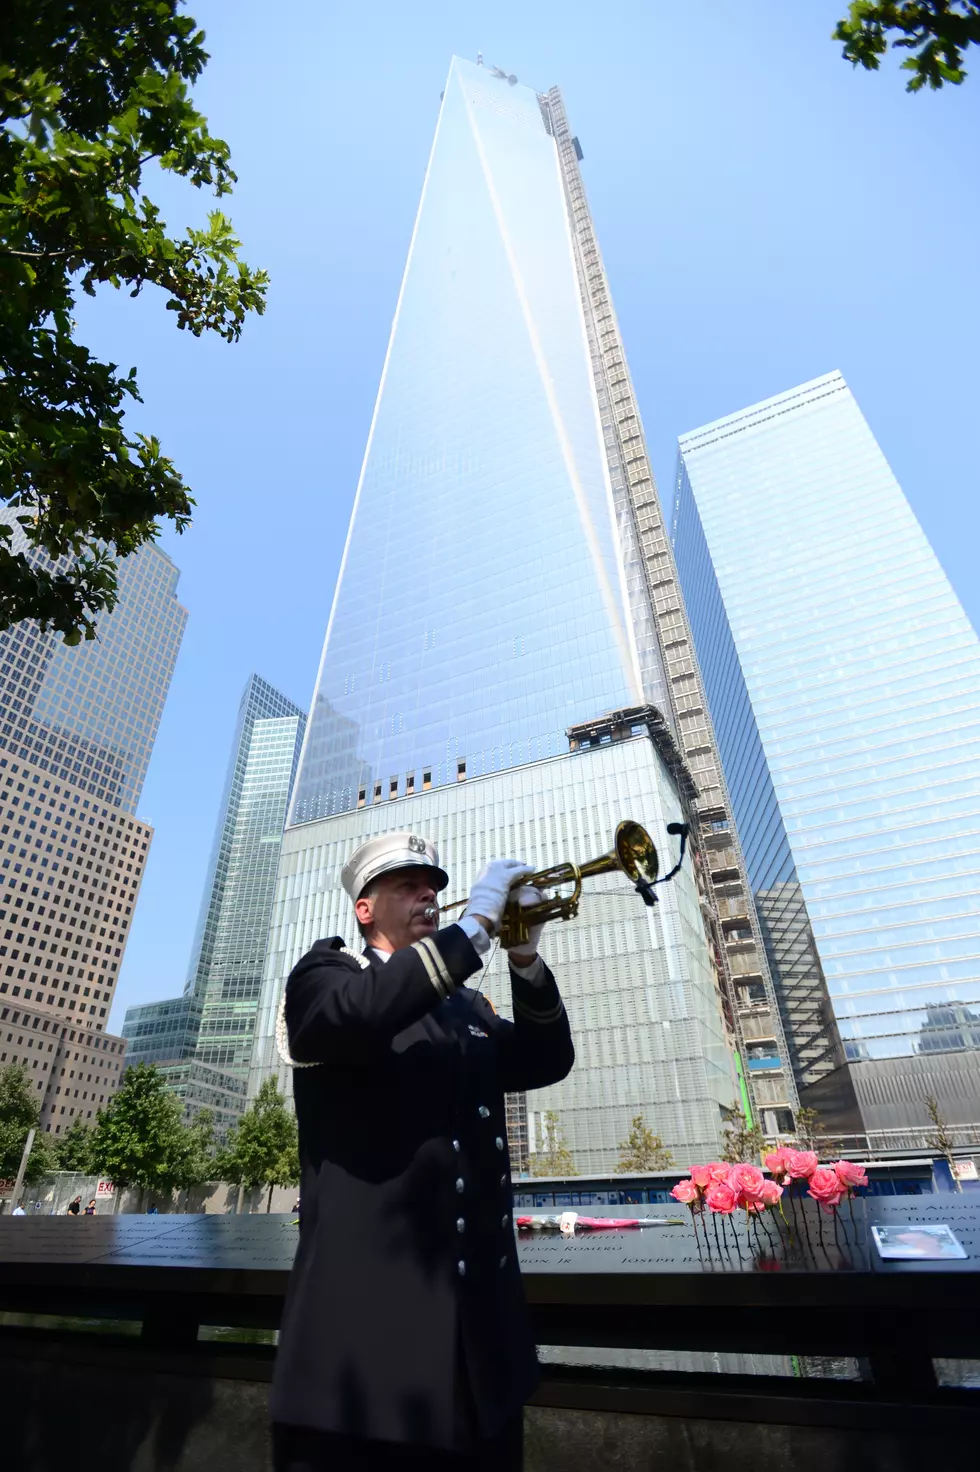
642, 1150
140, 1139
20, 1112
744, 1142
553, 1157
941, 1138
263, 1148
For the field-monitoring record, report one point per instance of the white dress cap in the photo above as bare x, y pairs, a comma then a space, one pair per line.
389, 852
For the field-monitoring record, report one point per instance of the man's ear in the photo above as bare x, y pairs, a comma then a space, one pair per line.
364, 909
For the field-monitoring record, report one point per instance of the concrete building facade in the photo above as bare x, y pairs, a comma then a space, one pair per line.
76, 731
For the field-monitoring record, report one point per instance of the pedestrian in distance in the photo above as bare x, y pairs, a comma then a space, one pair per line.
90, 1209
405, 1338
18, 1210
74, 1207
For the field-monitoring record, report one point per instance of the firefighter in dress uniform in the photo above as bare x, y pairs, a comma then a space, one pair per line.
405, 1338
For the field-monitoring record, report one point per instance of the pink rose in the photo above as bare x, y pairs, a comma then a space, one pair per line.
801, 1164
686, 1192
747, 1182
850, 1175
717, 1170
770, 1193
721, 1198
776, 1161
825, 1187
701, 1176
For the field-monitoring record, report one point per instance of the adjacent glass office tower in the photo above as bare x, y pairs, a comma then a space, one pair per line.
162, 1032
213, 1022
491, 598
229, 949
844, 680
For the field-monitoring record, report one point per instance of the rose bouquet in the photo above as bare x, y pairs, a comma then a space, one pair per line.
720, 1191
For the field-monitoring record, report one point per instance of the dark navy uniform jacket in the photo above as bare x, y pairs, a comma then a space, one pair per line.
406, 1282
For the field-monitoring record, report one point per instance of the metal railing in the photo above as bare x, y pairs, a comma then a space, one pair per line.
876, 1143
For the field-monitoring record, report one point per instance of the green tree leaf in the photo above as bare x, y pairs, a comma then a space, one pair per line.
938, 31
90, 96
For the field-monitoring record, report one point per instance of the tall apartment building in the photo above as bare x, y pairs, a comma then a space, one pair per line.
76, 731
844, 678
203, 1039
493, 673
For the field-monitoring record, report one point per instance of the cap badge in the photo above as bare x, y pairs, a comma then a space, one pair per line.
417, 845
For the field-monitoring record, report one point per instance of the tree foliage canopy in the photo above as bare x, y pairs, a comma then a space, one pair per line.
74, 1150
91, 95
642, 1150
263, 1148
140, 1139
938, 32
197, 1161
20, 1112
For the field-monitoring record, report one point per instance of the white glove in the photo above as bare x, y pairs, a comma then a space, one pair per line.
528, 895
491, 891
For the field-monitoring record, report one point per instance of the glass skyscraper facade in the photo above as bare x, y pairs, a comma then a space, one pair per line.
844, 681
229, 949
639, 985
493, 595
213, 1022
159, 1032
481, 607
89, 715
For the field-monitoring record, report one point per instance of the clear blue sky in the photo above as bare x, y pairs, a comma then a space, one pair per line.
766, 214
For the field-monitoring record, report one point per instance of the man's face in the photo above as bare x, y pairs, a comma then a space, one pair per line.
396, 909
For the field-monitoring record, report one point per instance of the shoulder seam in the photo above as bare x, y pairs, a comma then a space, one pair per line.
282, 1034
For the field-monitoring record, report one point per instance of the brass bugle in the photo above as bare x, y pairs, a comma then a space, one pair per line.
633, 854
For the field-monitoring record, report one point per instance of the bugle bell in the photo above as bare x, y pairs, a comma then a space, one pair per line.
633, 854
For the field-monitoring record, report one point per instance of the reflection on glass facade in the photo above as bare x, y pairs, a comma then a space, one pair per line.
481, 607
89, 715
226, 970
199, 1087
844, 681
162, 1031
640, 989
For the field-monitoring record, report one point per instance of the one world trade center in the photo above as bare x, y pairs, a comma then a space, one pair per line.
492, 676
